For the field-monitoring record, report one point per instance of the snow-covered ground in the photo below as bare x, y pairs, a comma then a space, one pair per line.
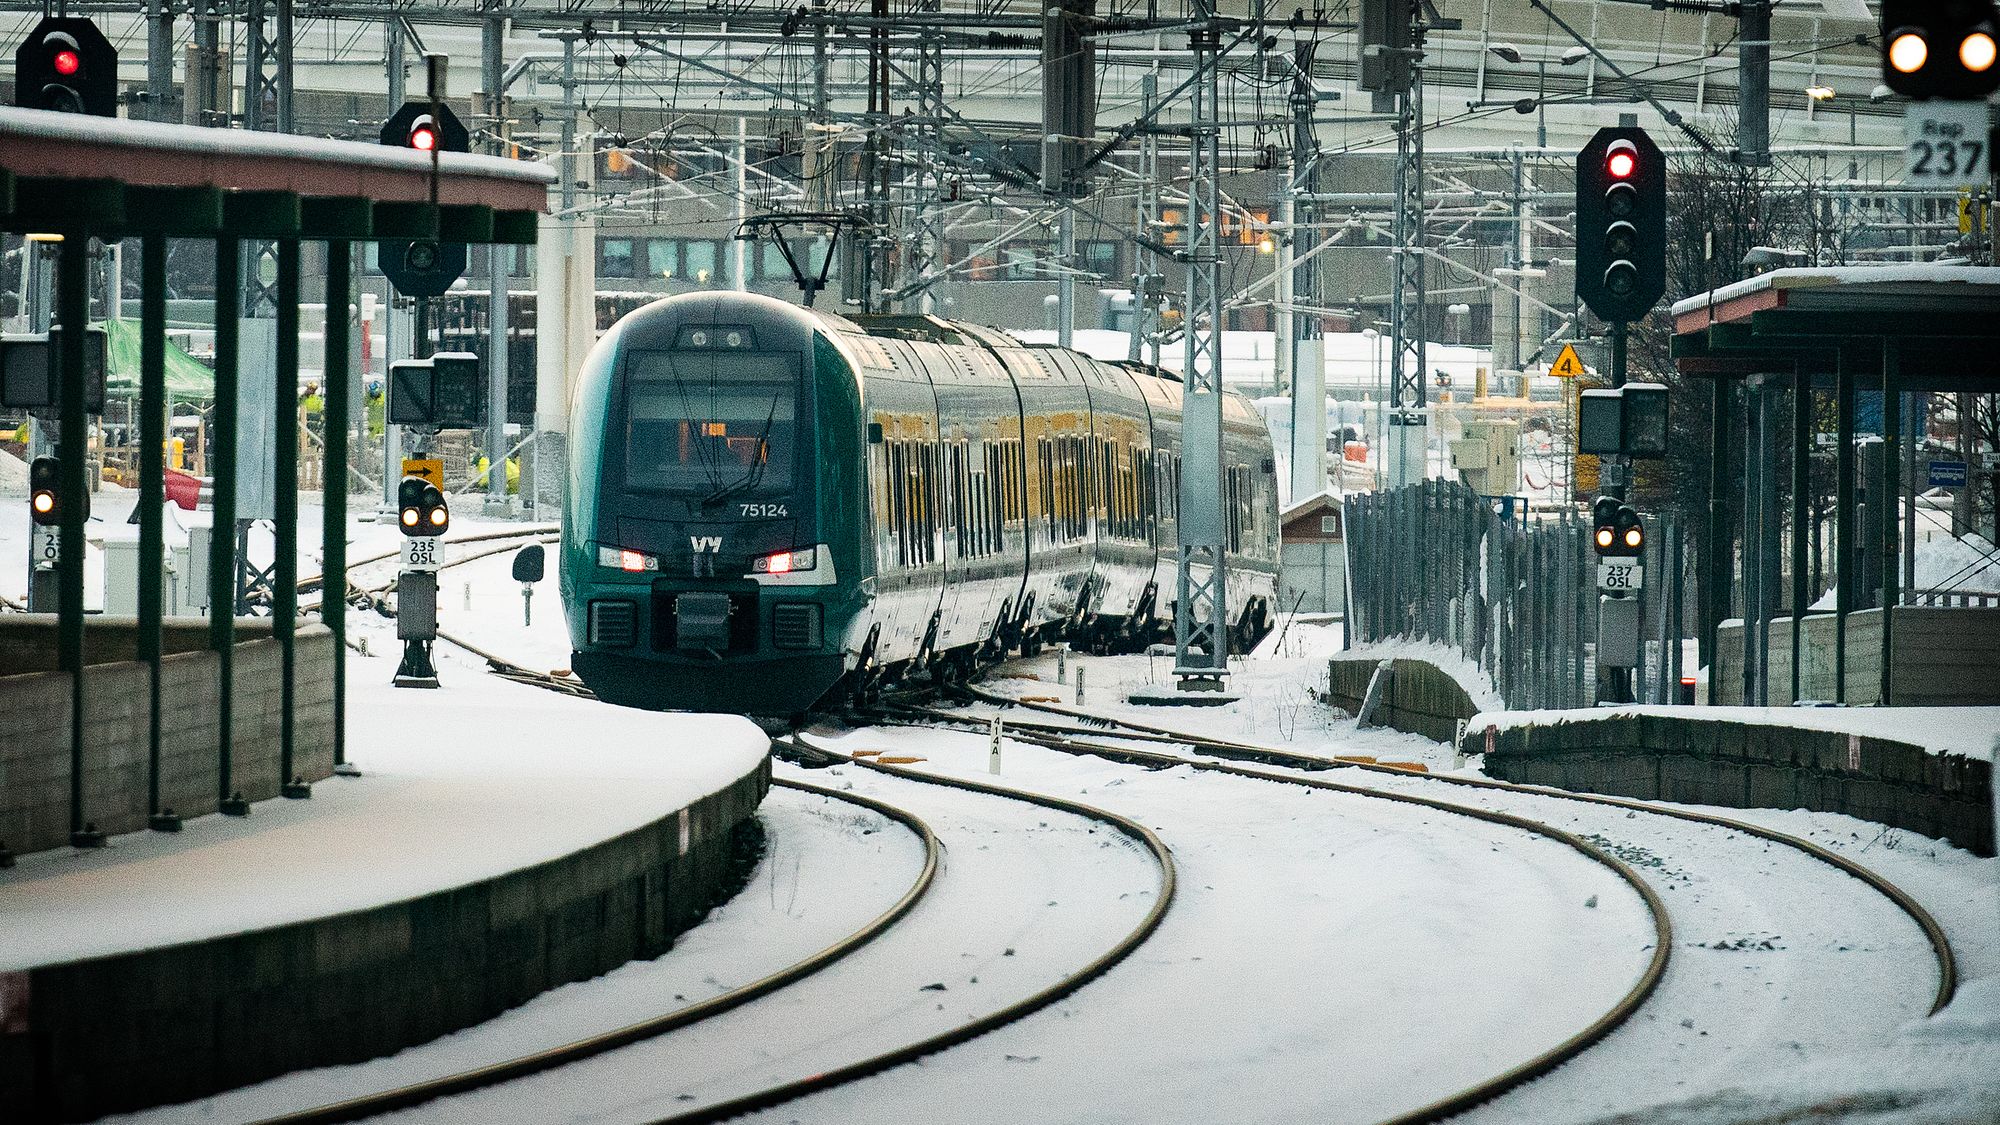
497, 781
1330, 959
829, 868
1806, 1023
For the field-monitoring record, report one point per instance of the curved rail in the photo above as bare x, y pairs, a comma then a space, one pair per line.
1490, 1088
1102, 964
402, 1097
314, 581
1947, 961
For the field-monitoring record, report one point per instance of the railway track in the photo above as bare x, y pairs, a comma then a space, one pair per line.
1034, 1002
798, 749
1111, 738
1451, 1105
457, 552
403, 1097
1934, 935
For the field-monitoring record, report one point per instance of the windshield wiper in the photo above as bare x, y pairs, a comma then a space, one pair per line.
758, 458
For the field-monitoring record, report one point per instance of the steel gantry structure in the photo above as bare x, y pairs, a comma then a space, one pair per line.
1201, 602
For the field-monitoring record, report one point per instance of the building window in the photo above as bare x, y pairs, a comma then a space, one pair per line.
614, 257
699, 264
771, 263
663, 258
1101, 258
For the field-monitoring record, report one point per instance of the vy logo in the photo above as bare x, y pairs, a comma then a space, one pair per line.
705, 544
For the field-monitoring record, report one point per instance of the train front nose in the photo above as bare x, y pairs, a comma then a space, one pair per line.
711, 580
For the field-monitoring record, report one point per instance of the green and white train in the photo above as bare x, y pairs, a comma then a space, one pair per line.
772, 508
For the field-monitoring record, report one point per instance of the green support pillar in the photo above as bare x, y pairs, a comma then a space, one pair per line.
1716, 587
285, 568
1843, 514
1802, 404
333, 536
222, 540
152, 497
1887, 505
73, 313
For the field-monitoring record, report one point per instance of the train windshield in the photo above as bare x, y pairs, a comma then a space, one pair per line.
711, 425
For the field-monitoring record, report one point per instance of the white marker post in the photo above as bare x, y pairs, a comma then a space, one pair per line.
993, 748
1079, 686
1062, 664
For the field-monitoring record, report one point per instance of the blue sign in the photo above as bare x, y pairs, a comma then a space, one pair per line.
1947, 474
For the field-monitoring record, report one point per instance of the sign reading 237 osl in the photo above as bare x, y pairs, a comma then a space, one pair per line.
1945, 143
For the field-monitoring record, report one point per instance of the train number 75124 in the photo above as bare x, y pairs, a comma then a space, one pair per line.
766, 511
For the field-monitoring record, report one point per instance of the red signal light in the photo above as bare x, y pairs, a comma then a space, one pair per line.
68, 62
1620, 164
423, 138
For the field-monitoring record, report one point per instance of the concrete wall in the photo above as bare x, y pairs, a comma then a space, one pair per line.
1744, 765
1420, 699
1944, 657
167, 1025
35, 752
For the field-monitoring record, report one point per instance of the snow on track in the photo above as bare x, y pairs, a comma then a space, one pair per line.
1781, 961
1026, 896
1331, 959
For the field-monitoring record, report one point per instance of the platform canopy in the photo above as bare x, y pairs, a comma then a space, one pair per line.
110, 176
1944, 321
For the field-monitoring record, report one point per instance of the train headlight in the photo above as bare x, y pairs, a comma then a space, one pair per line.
785, 562
632, 562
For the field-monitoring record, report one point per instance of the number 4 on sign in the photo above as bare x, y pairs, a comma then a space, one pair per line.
1567, 365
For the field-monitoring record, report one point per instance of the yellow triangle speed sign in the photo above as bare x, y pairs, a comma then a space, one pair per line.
1567, 365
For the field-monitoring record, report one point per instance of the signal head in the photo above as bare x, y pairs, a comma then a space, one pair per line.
67, 62
1976, 52
1908, 51
44, 497
436, 513
1631, 531
423, 134
1621, 159
410, 504
1621, 200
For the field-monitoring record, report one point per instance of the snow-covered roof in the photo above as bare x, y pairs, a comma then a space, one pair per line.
37, 143
1299, 508
1821, 277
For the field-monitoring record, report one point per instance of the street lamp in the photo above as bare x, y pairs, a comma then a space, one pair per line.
1507, 52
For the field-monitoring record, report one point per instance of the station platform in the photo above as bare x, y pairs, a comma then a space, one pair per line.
500, 841
1926, 769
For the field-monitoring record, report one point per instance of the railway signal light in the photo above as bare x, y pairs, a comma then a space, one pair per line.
1947, 50
67, 65
45, 491
423, 134
424, 267
1617, 532
422, 508
1621, 224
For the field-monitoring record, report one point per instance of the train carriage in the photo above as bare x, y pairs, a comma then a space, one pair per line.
771, 507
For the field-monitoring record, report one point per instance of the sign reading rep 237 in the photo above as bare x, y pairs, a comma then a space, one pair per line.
1945, 144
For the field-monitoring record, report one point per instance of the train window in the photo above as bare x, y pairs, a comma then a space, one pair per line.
710, 423
961, 527
899, 508
1017, 483
923, 519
